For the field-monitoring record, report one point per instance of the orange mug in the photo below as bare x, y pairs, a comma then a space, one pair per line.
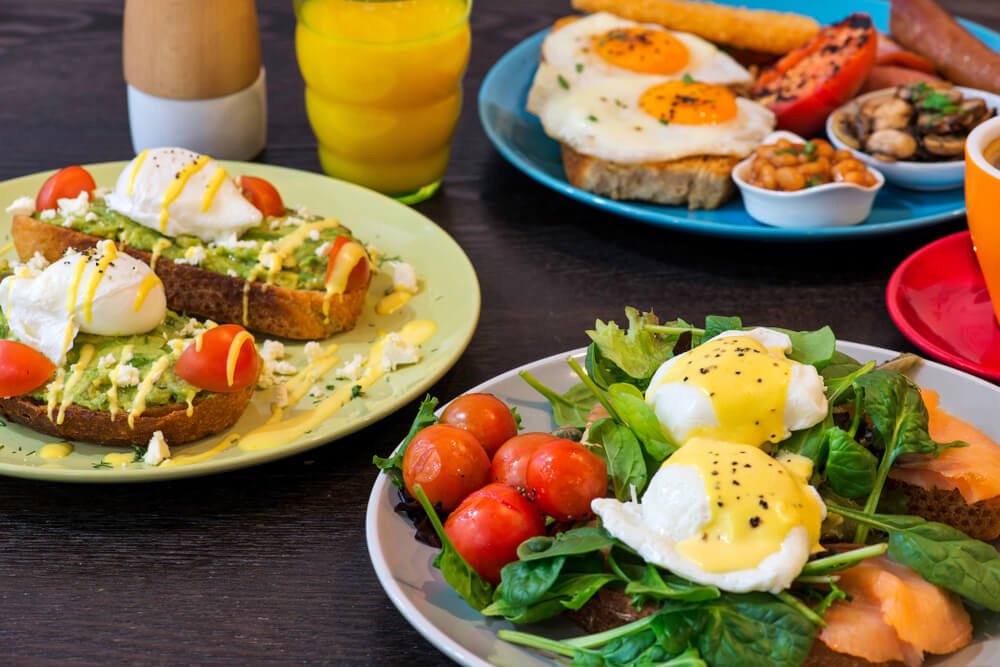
982, 202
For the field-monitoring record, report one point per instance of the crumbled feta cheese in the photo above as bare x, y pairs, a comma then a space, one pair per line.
268, 255
404, 277
193, 327
107, 361
231, 242
73, 206
398, 352
157, 450
313, 350
47, 214
232, 274
285, 368
316, 391
177, 345
125, 375
68, 222
22, 206
274, 224
280, 395
126, 357
272, 350
37, 262
90, 217
302, 211
352, 369
100, 193
324, 249
314, 234
195, 255
291, 221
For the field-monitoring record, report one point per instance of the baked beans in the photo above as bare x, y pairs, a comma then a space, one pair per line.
788, 166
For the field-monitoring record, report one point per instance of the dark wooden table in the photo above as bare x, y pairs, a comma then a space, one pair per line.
269, 564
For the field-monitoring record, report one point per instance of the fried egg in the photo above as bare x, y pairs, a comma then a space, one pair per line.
101, 292
175, 191
582, 52
630, 121
738, 387
723, 514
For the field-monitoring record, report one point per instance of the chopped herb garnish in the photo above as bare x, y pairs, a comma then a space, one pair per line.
664, 121
563, 82
355, 391
687, 78
139, 452
102, 464
592, 118
938, 102
30, 453
813, 181
579, 67
810, 148
329, 387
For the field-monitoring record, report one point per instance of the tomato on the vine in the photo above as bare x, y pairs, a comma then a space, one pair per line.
489, 525
264, 196
484, 416
447, 462
563, 477
222, 359
66, 183
22, 368
510, 462
359, 274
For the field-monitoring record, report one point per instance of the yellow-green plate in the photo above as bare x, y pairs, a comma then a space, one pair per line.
449, 295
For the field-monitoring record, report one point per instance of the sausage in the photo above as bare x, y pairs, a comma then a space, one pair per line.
890, 76
891, 53
924, 27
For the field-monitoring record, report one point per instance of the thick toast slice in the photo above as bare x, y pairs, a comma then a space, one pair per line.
290, 313
701, 181
980, 520
209, 414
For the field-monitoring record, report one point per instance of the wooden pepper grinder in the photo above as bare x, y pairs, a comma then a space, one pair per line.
194, 76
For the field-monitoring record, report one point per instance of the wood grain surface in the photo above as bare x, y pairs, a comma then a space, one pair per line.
269, 564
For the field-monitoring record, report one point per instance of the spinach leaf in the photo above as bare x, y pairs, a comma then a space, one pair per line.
850, 467
838, 387
393, 466
840, 365
626, 466
568, 592
577, 541
833, 595
525, 581
941, 554
637, 353
816, 348
474, 589
605, 373
655, 585
716, 324
633, 409
570, 408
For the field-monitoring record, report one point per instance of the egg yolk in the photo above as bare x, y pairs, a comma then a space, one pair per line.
641, 50
689, 103
745, 381
755, 500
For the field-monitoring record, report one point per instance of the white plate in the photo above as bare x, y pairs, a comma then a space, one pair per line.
424, 599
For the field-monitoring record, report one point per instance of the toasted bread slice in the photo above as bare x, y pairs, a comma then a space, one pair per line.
291, 313
979, 520
209, 414
701, 181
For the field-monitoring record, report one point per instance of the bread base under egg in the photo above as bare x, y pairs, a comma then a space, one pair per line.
209, 415
291, 313
702, 181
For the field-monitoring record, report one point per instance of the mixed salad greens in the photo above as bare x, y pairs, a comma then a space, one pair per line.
875, 415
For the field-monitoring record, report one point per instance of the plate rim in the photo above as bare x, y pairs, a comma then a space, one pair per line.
666, 219
412, 614
893, 297
301, 444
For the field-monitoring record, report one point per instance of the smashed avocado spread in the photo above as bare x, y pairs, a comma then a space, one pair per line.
304, 267
91, 391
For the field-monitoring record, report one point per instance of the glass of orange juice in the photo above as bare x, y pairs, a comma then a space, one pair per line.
384, 88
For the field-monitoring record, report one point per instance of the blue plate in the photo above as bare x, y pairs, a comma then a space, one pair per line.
519, 137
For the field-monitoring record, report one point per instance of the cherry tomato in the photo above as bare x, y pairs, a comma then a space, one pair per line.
359, 274
510, 462
447, 462
207, 368
489, 525
22, 368
811, 81
64, 184
262, 195
484, 416
563, 477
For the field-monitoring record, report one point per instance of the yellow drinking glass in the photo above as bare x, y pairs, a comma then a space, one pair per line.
384, 88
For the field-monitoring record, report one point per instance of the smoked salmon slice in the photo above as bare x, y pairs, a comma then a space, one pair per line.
894, 614
973, 470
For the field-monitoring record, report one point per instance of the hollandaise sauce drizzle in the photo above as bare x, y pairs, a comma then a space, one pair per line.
158, 248
189, 399
298, 385
393, 301
139, 159
113, 391
741, 377
56, 450
76, 374
107, 256
146, 386
119, 458
176, 186
7, 248
349, 255
214, 183
233, 355
755, 501
52, 391
145, 287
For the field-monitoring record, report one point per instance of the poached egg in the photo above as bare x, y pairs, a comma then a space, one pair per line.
738, 387
723, 514
176, 191
100, 291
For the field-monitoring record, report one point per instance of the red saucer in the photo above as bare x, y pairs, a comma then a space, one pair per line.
937, 297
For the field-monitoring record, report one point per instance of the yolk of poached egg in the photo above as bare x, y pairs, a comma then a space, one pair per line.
101, 292
738, 387
723, 514
175, 191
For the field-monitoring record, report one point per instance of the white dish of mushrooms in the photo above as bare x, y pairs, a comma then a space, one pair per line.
915, 134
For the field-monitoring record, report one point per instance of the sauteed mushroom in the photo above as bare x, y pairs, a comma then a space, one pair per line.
945, 145
891, 145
